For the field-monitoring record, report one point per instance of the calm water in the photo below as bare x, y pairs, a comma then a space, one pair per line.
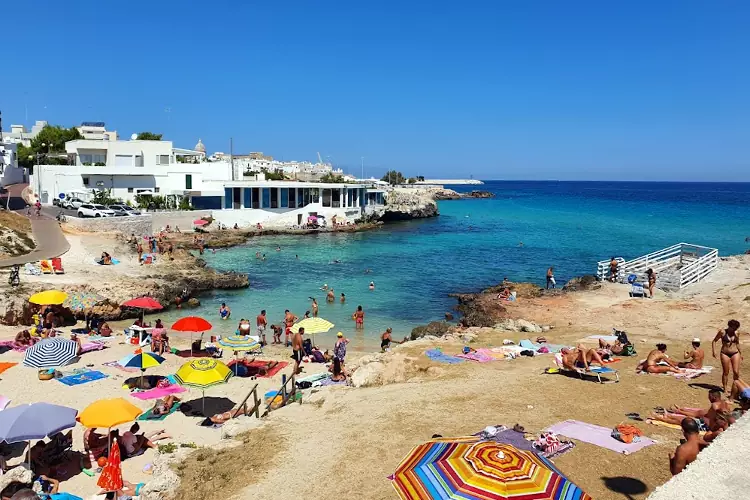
475, 243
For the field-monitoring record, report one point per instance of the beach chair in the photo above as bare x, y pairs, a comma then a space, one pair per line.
637, 290
594, 371
57, 266
45, 266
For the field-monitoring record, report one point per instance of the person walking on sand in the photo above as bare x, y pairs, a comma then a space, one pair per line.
297, 351
551, 278
314, 307
261, 322
339, 350
651, 282
359, 318
139, 249
730, 354
613, 269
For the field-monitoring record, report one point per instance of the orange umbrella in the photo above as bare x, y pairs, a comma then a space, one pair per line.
111, 477
191, 324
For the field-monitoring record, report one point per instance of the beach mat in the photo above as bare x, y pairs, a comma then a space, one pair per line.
441, 357
149, 415
159, 392
257, 368
82, 378
659, 423
606, 338
597, 435
4, 366
115, 364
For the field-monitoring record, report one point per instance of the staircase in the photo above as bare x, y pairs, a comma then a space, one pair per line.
677, 266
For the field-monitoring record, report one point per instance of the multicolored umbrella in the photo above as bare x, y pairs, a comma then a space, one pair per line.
239, 343
111, 477
483, 470
313, 326
48, 297
80, 301
191, 324
203, 373
51, 353
141, 360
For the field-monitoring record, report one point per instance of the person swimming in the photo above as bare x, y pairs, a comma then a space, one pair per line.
372, 285
224, 311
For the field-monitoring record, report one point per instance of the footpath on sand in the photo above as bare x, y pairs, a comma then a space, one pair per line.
50, 242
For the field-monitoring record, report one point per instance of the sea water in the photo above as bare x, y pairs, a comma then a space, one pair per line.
474, 243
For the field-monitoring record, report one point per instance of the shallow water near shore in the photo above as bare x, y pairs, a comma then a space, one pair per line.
473, 244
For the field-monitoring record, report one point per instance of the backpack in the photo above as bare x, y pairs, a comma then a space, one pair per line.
629, 350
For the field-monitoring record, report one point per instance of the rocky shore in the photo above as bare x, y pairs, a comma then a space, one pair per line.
407, 204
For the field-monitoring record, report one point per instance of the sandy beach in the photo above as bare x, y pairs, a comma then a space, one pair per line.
345, 441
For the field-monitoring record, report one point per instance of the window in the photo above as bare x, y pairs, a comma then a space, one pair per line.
284, 197
86, 159
256, 197
130, 190
292, 198
246, 193
336, 198
138, 161
227, 197
305, 196
274, 198
266, 197
85, 181
123, 160
162, 159
326, 197
156, 190
188, 181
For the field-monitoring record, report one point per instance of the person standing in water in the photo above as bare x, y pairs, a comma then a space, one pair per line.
359, 318
343, 298
314, 307
330, 297
372, 285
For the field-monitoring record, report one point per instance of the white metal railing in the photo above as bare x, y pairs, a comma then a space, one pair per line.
682, 264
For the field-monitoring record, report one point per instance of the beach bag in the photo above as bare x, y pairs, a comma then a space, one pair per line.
627, 433
629, 350
548, 443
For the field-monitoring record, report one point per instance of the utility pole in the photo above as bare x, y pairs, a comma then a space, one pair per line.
231, 156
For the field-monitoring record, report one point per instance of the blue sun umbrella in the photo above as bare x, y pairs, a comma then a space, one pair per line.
239, 343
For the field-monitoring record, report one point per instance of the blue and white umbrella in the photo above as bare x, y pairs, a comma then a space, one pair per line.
51, 353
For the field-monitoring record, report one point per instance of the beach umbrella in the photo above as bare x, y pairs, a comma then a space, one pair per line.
51, 353
313, 326
80, 301
200, 222
111, 477
48, 297
239, 343
142, 361
143, 303
35, 421
107, 413
191, 324
469, 469
203, 373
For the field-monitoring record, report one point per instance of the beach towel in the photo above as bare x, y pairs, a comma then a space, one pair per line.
606, 338
92, 346
159, 392
4, 366
310, 378
668, 425
82, 378
258, 368
601, 369
327, 382
597, 435
476, 356
115, 364
691, 373
99, 261
149, 415
440, 357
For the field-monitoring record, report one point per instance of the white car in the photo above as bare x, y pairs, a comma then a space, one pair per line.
93, 210
124, 210
72, 203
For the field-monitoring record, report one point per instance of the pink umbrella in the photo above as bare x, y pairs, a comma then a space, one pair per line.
200, 222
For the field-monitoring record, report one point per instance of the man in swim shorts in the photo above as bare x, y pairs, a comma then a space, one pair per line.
297, 351
289, 320
261, 323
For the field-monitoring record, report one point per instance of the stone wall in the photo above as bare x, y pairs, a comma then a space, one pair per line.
139, 225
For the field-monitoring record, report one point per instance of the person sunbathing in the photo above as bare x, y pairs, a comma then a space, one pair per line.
706, 419
740, 390
578, 359
615, 348
694, 356
105, 330
23, 338
337, 373
657, 356
164, 405
133, 442
221, 418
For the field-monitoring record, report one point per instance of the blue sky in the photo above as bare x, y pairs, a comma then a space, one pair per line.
495, 89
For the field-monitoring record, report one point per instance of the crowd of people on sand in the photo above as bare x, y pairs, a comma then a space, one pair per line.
148, 246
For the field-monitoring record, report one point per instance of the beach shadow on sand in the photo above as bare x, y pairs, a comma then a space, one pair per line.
625, 486
214, 405
708, 387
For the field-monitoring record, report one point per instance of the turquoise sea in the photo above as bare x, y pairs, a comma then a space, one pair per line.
473, 244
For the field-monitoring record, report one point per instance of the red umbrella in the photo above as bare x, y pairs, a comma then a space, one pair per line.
111, 478
191, 324
143, 303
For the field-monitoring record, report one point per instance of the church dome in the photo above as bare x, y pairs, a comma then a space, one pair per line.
200, 147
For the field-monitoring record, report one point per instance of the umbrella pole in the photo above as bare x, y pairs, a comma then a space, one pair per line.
204, 402
29, 454
143, 370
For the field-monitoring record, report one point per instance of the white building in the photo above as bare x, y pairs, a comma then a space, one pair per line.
20, 135
149, 168
96, 131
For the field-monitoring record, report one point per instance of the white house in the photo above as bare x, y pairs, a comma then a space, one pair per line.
20, 135
96, 131
131, 168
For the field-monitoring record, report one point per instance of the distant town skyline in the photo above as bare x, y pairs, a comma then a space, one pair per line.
498, 90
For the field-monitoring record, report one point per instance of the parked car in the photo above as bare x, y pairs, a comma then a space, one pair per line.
93, 210
123, 210
72, 203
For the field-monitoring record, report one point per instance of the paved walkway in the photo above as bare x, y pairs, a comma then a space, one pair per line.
50, 242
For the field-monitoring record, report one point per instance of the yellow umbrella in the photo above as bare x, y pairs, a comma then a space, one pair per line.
48, 297
108, 413
203, 373
313, 326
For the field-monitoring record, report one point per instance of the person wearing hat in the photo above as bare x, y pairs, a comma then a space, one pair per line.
694, 356
339, 350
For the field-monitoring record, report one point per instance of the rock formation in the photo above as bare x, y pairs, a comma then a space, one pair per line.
478, 194
407, 204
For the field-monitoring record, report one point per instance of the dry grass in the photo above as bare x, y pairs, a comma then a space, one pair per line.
210, 473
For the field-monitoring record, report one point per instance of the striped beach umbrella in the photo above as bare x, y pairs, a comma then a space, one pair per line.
141, 360
51, 353
483, 470
239, 343
313, 326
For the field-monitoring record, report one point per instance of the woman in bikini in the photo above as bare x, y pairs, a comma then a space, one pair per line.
730, 351
651, 282
359, 318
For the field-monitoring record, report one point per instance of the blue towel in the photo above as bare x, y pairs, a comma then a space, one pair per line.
601, 369
82, 378
172, 379
527, 344
438, 355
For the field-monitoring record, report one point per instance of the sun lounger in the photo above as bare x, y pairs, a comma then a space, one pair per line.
594, 371
57, 266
